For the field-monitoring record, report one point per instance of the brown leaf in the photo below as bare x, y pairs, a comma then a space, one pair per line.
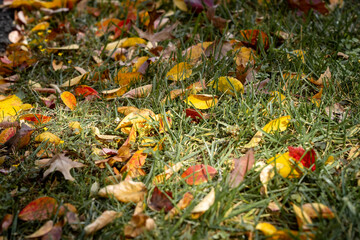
315, 210
165, 34
325, 77
6, 222
242, 166
182, 204
21, 137
55, 233
62, 164
306, 5
42, 230
125, 191
139, 92
160, 200
139, 223
104, 219
218, 22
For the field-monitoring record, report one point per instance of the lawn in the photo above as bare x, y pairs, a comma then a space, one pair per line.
167, 120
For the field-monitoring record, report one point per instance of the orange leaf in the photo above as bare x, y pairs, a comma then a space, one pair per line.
254, 37
69, 99
198, 174
6, 134
84, 90
35, 118
40, 209
182, 204
133, 166
124, 79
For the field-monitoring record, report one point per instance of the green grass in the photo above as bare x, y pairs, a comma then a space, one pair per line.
235, 211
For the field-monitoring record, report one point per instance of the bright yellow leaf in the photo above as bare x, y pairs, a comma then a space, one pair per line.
41, 26
10, 106
298, 53
201, 101
139, 63
48, 136
285, 166
181, 5
277, 97
279, 124
228, 85
266, 228
179, 72
244, 56
124, 43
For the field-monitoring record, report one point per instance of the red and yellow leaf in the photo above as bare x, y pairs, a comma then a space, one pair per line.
69, 100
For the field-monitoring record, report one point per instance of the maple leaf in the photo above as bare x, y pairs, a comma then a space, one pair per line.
62, 164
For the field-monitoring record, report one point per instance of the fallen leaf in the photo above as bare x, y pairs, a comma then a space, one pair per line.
228, 85
69, 47
204, 205
168, 173
284, 166
182, 204
124, 79
104, 219
179, 72
303, 219
306, 5
10, 106
6, 222
181, 5
141, 116
40, 27
195, 115
49, 137
244, 56
125, 42
165, 34
126, 110
316, 210
139, 92
85, 91
279, 124
44, 229
75, 127
217, 21
21, 138
255, 140
75, 81
125, 191
114, 93
324, 78
307, 158
160, 200
255, 38
40, 209
198, 174
69, 100
139, 223
266, 174
133, 166
266, 228
194, 53
55, 233
7, 134
201, 101
35, 118
242, 166
62, 164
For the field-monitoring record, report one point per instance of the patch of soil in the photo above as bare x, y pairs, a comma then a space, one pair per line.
6, 25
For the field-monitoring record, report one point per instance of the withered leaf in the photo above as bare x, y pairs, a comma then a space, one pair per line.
242, 166
160, 200
138, 224
62, 164
104, 219
159, 36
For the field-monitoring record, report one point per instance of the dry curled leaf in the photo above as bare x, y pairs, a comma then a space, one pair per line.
125, 191
138, 224
204, 205
62, 164
182, 204
104, 219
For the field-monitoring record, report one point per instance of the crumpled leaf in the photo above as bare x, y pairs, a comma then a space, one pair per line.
125, 191
62, 164
139, 223
242, 166
198, 174
228, 85
141, 116
44, 229
201, 101
204, 205
49, 137
104, 219
133, 166
160, 200
69, 100
181, 205
40, 209
179, 72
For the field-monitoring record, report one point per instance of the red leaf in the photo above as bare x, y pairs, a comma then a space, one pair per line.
35, 118
84, 90
242, 166
160, 200
307, 160
254, 36
123, 26
198, 174
40, 209
196, 116
306, 5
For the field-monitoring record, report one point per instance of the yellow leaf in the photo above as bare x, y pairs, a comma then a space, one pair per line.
41, 26
69, 100
276, 97
298, 53
69, 47
325, 77
181, 5
201, 101
10, 106
284, 165
125, 191
74, 81
255, 140
244, 56
195, 52
204, 205
279, 124
49, 137
266, 228
179, 72
139, 63
124, 43
302, 218
315, 210
75, 126
228, 85
114, 93
127, 110
124, 79
141, 116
